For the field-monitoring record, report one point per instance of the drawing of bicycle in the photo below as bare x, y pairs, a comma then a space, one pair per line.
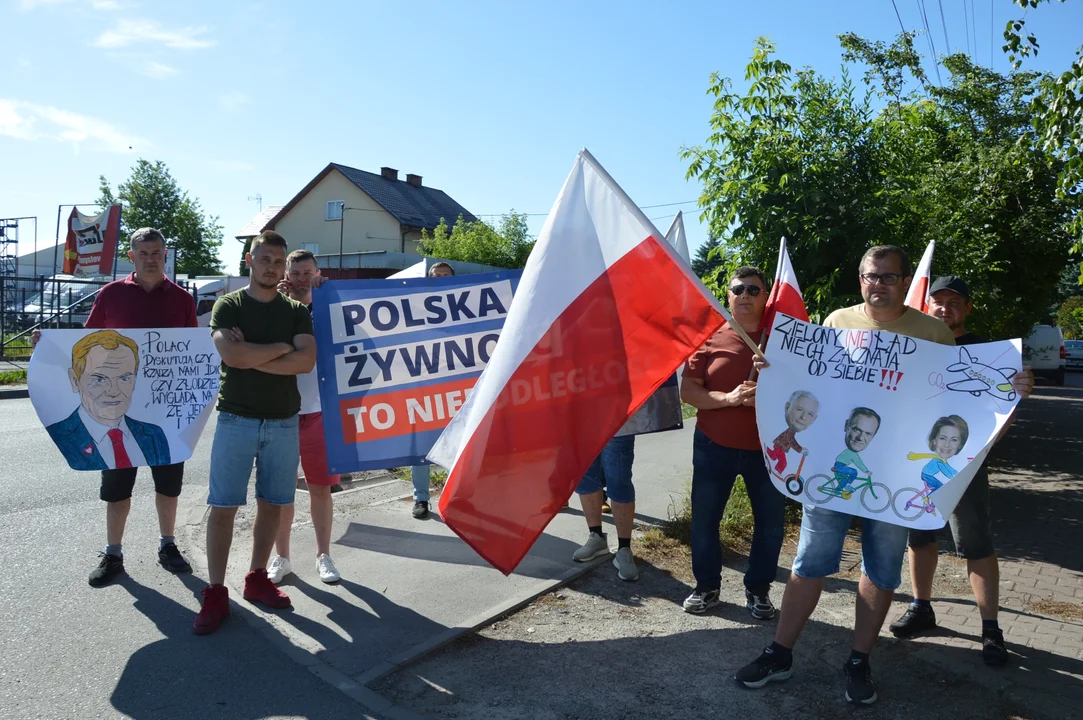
794, 482
875, 497
910, 503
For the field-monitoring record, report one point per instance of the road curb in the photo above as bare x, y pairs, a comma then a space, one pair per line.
417, 652
18, 392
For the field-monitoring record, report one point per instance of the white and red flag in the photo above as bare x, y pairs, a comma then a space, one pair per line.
604, 313
785, 293
677, 238
918, 295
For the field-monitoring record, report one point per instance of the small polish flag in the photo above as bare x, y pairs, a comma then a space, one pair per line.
785, 293
677, 238
605, 311
918, 295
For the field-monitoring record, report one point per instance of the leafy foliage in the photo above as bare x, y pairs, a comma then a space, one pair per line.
507, 245
152, 198
808, 158
1070, 318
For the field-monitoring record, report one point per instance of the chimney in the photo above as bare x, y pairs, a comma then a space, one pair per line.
389, 173
414, 180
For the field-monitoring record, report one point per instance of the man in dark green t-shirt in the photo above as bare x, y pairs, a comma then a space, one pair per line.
265, 341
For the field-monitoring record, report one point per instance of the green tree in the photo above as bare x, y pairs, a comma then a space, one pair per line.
1070, 318
507, 245
835, 171
708, 258
152, 198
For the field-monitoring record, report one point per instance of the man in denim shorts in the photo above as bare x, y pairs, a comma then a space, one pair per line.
885, 275
611, 470
265, 341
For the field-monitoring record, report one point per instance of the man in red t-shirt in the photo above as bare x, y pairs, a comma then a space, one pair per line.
144, 299
727, 444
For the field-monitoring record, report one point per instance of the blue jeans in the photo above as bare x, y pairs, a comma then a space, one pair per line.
820, 548
419, 474
612, 470
274, 447
714, 470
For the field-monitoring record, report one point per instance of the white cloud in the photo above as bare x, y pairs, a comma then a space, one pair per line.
105, 5
101, 5
233, 101
158, 71
30, 121
133, 32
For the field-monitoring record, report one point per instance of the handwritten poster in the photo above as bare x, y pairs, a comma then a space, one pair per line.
877, 424
114, 399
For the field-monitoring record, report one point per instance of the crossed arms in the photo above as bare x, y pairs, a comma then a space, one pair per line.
271, 358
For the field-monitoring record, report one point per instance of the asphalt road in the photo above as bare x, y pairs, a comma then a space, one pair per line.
71, 651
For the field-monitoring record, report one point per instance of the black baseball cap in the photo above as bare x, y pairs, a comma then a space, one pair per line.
951, 282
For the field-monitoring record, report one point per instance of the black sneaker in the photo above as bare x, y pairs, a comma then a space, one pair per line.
759, 605
915, 620
421, 509
859, 687
108, 569
768, 667
171, 559
993, 651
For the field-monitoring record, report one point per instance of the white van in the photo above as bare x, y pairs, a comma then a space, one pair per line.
1044, 351
209, 288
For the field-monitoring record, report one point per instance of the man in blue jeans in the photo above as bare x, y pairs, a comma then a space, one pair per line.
419, 474
265, 341
611, 470
727, 444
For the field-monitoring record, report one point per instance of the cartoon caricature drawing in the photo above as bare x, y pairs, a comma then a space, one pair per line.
946, 440
980, 378
801, 411
99, 435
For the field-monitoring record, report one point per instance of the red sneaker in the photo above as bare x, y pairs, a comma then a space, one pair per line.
215, 609
258, 588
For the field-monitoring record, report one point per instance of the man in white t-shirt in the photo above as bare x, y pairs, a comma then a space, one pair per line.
301, 276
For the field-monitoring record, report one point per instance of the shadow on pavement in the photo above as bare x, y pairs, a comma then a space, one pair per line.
450, 549
233, 674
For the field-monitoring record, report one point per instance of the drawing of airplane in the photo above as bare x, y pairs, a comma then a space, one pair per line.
981, 378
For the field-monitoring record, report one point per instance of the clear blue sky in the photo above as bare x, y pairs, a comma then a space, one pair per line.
488, 101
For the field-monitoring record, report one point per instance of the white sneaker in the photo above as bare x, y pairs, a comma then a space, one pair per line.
278, 569
595, 547
325, 566
625, 564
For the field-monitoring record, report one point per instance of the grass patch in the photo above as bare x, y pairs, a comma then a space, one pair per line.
687, 411
13, 377
437, 478
17, 349
737, 524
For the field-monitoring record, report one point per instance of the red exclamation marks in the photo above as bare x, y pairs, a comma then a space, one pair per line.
897, 381
883, 376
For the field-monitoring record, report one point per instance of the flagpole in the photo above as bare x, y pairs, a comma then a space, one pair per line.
774, 289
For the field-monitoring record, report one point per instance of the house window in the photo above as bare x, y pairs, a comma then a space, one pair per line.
334, 209
313, 248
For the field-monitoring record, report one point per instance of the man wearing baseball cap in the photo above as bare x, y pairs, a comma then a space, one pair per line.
949, 300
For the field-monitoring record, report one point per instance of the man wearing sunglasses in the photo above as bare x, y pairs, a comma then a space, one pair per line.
727, 444
885, 275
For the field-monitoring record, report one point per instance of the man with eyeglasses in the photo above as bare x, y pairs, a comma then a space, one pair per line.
727, 444
885, 275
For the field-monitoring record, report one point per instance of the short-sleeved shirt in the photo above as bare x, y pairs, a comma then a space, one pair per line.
723, 363
309, 387
249, 392
125, 304
912, 323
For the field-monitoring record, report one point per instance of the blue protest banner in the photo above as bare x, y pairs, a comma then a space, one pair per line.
397, 358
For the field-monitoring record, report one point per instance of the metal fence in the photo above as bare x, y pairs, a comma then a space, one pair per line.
28, 303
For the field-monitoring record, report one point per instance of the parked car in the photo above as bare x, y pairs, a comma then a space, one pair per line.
1044, 351
1073, 357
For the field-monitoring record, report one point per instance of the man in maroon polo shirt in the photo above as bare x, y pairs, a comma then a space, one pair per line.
144, 299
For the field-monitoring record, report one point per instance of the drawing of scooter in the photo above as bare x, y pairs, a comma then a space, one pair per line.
981, 378
794, 482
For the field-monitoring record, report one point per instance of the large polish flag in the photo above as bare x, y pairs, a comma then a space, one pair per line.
676, 237
604, 313
918, 295
785, 294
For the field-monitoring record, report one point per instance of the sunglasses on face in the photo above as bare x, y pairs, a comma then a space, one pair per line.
884, 279
752, 290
